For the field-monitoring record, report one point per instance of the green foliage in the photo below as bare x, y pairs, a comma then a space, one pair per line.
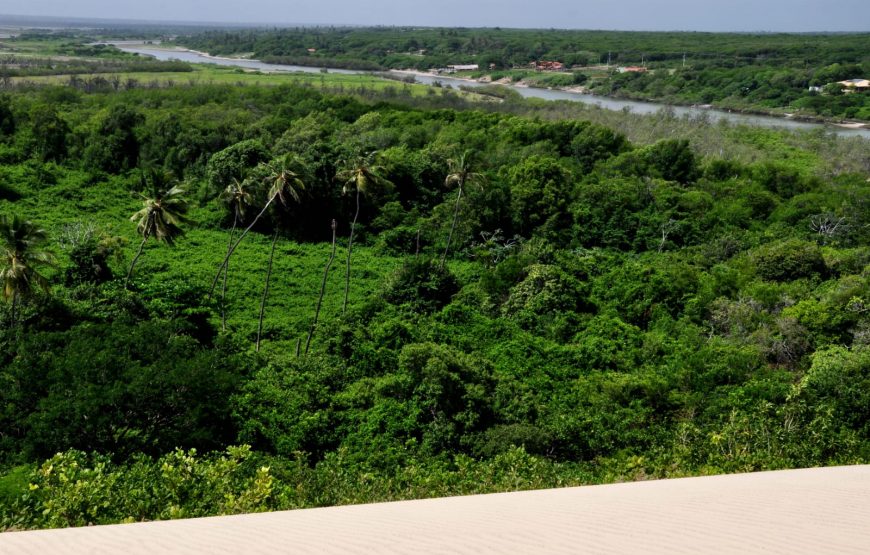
789, 260
74, 489
672, 160
289, 409
233, 163
114, 146
423, 284
49, 133
7, 117
834, 392
595, 143
547, 293
608, 311
754, 72
540, 190
155, 389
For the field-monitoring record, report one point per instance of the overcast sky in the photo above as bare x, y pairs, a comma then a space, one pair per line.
697, 15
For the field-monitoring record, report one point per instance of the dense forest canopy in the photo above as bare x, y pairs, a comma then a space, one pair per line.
538, 295
755, 72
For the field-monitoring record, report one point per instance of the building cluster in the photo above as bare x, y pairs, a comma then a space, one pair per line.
462, 67
541, 65
855, 85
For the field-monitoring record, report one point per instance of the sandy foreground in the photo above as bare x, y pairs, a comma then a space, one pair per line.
824, 510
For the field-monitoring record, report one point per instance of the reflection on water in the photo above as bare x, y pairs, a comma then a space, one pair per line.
528, 92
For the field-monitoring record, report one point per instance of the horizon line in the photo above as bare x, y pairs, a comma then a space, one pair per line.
287, 25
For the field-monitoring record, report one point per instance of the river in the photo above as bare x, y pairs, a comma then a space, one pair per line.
527, 92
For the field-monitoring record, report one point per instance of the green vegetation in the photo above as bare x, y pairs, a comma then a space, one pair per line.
751, 72
537, 295
33, 55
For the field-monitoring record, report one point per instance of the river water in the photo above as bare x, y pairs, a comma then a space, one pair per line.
527, 92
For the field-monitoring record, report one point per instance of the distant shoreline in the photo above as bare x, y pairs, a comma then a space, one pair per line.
779, 116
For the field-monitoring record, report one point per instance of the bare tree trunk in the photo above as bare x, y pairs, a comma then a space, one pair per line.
322, 291
133, 263
236, 244
226, 273
349, 251
266, 289
453, 226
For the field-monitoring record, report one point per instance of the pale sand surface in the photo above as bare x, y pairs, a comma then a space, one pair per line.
790, 512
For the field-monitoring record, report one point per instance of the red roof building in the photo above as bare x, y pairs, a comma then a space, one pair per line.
548, 66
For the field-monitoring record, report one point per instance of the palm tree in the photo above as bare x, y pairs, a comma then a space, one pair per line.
460, 174
20, 258
162, 214
322, 292
237, 198
266, 288
283, 184
358, 177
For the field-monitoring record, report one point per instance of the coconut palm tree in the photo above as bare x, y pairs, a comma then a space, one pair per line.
460, 175
237, 198
266, 288
21, 256
162, 213
284, 183
322, 292
358, 177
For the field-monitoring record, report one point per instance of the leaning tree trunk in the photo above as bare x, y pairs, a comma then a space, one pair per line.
226, 272
266, 289
236, 244
322, 291
135, 258
349, 251
148, 226
452, 226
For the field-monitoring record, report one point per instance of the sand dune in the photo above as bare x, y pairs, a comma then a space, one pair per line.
799, 511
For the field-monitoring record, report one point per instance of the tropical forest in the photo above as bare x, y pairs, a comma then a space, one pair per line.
228, 290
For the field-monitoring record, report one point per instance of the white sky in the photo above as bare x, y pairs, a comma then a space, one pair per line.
698, 15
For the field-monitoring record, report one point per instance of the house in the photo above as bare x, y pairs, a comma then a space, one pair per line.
548, 66
312, 50
852, 85
466, 67
632, 69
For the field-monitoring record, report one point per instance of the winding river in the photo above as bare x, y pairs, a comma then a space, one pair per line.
528, 92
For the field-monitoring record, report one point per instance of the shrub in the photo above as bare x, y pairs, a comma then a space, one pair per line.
789, 260
422, 283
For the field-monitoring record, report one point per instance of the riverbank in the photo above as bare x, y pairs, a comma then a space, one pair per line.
550, 94
806, 118
792, 116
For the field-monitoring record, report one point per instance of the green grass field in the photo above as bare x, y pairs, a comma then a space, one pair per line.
205, 74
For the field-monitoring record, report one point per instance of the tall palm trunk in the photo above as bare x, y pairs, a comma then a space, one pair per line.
141, 246
349, 251
453, 225
266, 289
322, 291
236, 244
226, 273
